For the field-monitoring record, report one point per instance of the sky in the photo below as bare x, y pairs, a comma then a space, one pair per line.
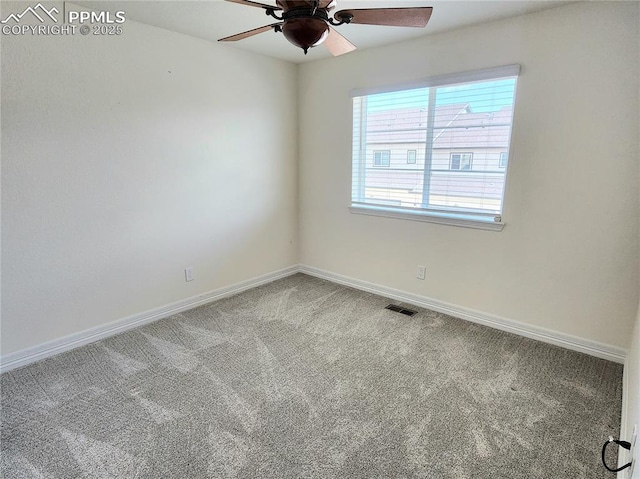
485, 96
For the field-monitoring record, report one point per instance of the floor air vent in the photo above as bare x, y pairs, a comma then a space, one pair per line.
400, 309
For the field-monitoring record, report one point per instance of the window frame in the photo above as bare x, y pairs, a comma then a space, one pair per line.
457, 217
461, 155
414, 160
388, 152
504, 155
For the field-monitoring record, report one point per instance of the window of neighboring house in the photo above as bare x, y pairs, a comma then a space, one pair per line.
460, 121
460, 161
503, 160
381, 158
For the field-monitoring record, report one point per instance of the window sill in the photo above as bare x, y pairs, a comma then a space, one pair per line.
463, 221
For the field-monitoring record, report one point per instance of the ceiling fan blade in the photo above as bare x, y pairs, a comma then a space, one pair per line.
250, 33
255, 4
397, 17
337, 44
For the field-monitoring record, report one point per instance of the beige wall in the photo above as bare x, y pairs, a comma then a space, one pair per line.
568, 258
126, 159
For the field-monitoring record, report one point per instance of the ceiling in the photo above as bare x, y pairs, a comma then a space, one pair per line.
214, 19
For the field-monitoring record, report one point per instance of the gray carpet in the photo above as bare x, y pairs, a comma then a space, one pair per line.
303, 378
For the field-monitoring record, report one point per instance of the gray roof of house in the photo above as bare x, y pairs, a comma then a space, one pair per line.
455, 126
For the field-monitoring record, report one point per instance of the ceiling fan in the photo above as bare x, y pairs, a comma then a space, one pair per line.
308, 23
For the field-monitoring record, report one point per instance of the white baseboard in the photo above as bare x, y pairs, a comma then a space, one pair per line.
57, 346
51, 348
593, 348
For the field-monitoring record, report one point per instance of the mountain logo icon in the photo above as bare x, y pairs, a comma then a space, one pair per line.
39, 11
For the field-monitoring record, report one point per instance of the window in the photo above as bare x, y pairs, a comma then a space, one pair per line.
503, 160
460, 161
461, 122
381, 158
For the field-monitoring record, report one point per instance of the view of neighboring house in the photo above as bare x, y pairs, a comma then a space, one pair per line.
465, 165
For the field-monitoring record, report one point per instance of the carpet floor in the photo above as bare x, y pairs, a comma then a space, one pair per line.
303, 378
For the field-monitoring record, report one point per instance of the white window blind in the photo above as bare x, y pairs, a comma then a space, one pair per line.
459, 127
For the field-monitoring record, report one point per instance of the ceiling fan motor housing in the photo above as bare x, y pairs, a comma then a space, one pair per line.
305, 32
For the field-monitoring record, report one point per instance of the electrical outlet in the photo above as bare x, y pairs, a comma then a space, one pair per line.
188, 273
421, 272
